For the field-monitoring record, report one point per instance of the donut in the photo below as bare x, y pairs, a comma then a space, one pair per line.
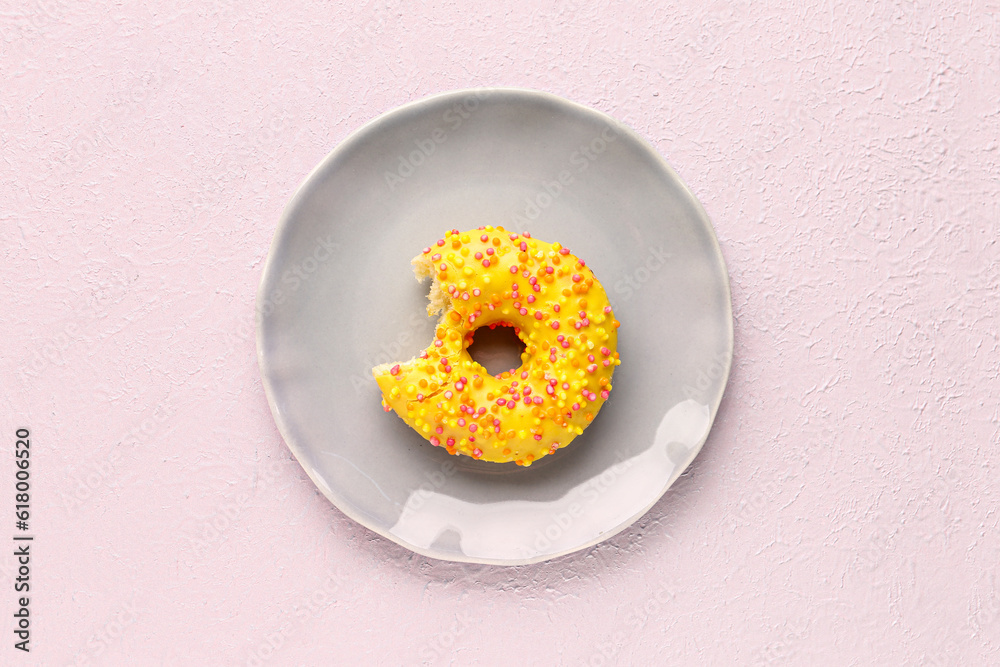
559, 310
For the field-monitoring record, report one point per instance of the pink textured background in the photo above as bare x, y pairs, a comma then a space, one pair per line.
846, 503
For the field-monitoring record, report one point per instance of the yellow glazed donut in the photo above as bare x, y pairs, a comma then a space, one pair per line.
558, 309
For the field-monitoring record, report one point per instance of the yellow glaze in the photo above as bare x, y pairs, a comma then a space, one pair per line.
558, 309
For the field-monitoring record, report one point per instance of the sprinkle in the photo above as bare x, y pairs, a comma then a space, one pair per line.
527, 391
555, 325
486, 263
489, 251
538, 314
473, 428
461, 421
577, 277
476, 453
450, 442
435, 441
607, 309
524, 375
394, 370
538, 436
549, 270
531, 298
605, 393
556, 307
513, 269
523, 311
484, 238
523, 246
479, 255
537, 400
440, 242
562, 251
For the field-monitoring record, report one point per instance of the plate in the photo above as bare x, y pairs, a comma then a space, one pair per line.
338, 296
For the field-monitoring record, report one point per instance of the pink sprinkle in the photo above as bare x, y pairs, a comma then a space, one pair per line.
451, 442
527, 391
526, 273
496, 422
438, 343
537, 400
538, 314
482, 411
435, 441
486, 263
576, 406
476, 452
577, 277
564, 251
527, 235
605, 393
448, 394
605, 351
436, 256
459, 385
501, 402
514, 287
489, 251
532, 280
606, 362
550, 390
590, 357
607, 309
513, 269
479, 255
537, 288
555, 325
524, 375
440, 242
513, 237
484, 238
461, 421
565, 344
420, 397
531, 298
443, 266
549, 270
394, 370
577, 325
538, 437
556, 308
426, 250
523, 246
581, 263
591, 368
476, 292
560, 338
523, 311
473, 428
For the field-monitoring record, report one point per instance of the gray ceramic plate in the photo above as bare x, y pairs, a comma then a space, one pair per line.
338, 296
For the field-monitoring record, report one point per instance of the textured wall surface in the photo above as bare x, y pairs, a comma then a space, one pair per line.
846, 503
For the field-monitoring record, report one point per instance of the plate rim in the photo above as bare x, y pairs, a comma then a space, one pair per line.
331, 157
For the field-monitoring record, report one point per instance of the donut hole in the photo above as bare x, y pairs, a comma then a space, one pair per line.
497, 348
